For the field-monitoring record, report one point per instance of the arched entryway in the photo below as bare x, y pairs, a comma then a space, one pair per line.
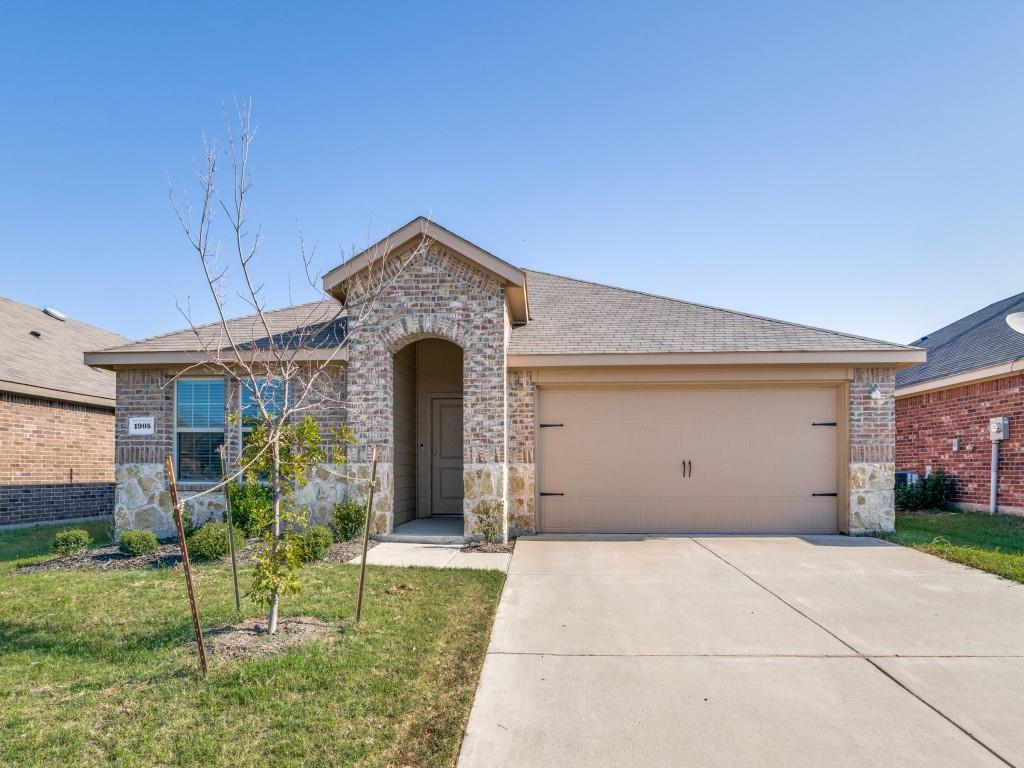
427, 431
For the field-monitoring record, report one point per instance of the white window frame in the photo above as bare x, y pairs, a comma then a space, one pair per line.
177, 429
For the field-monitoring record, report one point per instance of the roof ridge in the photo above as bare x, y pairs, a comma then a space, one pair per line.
723, 309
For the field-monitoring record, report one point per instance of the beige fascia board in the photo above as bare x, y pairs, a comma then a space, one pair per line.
518, 303
421, 227
45, 393
895, 358
959, 379
127, 359
675, 375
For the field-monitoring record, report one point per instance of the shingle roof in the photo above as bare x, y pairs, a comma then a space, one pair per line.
319, 323
570, 316
977, 341
53, 359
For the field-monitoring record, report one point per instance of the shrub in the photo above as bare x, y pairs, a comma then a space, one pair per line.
138, 542
932, 492
71, 540
314, 543
251, 506
488, 520
187, 523
349, 517
210, 541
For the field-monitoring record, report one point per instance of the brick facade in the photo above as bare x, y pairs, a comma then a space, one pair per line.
431, 294
56, 460
927, 424
872, 433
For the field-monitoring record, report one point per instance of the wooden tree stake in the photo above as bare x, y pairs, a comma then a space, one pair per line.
231, 526
366, 533
186, 566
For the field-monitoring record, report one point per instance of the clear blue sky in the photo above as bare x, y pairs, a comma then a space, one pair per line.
856, 166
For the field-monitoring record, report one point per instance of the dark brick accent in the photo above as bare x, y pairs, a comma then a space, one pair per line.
41, 503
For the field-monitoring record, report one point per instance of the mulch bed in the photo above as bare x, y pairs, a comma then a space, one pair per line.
343, 551
109, 558
479, 546
249, 639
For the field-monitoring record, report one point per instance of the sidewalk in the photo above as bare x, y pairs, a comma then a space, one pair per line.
435, 556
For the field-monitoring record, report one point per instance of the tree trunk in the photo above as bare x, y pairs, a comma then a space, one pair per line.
275, 474
272, 618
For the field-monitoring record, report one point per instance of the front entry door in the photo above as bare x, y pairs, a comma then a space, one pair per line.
446, 457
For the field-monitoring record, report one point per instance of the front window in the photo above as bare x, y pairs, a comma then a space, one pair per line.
271, 391
199, 428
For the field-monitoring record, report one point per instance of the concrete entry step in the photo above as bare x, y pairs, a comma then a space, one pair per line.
427, 530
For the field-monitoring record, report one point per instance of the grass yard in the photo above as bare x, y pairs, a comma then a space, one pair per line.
23, 546
993, 543
100, 668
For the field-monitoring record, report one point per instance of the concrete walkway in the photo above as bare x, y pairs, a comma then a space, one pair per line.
748, 651
434, 556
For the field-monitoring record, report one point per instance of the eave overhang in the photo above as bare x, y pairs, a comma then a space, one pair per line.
111, 361
894, 358
960, 379
46, 393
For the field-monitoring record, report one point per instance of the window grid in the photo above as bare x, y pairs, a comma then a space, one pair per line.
272, 391
199, 428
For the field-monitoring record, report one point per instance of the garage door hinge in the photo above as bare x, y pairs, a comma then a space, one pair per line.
824, 494
542, 426
823, 424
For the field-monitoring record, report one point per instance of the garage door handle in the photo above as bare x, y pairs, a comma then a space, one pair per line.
545, 493
823, 424
545, 426
824, 494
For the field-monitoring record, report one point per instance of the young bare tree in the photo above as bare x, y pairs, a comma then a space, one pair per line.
286, 363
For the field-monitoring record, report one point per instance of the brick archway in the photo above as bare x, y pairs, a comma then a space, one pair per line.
403, 331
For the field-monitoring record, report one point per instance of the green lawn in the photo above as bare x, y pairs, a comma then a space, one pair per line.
100, 669
993, 543
21, 546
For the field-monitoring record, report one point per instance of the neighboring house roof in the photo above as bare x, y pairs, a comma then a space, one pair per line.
317, 325
575, 317
50, 364
980, 343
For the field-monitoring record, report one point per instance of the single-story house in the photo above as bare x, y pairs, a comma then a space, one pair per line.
56, 418
974, 373
580, 407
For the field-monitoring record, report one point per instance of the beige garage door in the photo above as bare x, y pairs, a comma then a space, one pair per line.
751, 459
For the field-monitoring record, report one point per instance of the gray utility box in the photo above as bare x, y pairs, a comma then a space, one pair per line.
999, 428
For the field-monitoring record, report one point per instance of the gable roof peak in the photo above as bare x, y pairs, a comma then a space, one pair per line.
422, 229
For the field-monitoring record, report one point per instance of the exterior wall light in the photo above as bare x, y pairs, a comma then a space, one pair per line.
876, 393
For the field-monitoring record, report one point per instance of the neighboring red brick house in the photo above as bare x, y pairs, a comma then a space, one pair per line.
974, 372
56, 418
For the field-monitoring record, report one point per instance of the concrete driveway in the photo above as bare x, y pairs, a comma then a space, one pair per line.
748, 651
